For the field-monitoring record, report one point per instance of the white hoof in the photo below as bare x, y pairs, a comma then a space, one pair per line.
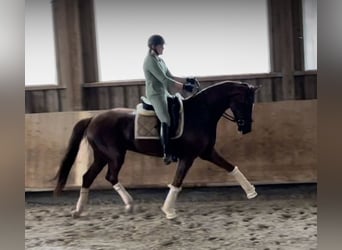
129, 208
170, 214
75, 214
252, 195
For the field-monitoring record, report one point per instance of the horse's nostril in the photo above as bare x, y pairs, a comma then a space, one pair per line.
241, 122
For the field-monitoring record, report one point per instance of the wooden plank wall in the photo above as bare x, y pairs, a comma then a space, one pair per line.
98, 96
282, 148
45, 99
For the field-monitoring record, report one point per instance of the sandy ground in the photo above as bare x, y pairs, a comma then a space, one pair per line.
281, 217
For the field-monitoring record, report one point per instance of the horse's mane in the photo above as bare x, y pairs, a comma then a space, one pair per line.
218, 84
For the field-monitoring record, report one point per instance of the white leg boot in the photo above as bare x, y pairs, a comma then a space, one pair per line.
169, 205
82, 201
245, 184
125, 196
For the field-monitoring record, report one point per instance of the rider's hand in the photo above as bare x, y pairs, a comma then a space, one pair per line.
188, 87
191, 80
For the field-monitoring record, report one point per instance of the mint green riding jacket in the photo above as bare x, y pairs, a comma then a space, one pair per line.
158, 80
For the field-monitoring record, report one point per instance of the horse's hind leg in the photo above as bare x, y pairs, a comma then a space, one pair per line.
217, 159
88, 179
114, 167
170, 202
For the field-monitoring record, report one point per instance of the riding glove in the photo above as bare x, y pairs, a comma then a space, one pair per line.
188, 87
191, 80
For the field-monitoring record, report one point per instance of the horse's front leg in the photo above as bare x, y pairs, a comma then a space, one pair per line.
169, 204
217, 159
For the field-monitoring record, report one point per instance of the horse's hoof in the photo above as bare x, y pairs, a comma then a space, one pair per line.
170, 214
252, 195
129, 208
75, 214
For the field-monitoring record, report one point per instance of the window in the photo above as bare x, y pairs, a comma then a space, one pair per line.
310, 34
204, 38
40, 62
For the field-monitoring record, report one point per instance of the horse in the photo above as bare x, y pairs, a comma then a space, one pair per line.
111, 133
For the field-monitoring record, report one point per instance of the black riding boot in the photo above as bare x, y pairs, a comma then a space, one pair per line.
164, 138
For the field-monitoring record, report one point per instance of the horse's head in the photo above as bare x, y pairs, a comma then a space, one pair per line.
242, 107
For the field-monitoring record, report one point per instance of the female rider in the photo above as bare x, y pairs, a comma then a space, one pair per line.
158, 80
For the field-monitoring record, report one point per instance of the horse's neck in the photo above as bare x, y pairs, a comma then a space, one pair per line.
217, 98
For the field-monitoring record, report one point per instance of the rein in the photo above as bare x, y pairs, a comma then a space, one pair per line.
196, 86
229, 117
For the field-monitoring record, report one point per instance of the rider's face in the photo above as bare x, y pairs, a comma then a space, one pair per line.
159, 49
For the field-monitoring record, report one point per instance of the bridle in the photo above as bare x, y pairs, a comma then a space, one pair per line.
226, 115
231, 118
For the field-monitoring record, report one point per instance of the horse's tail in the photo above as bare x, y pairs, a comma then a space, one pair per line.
71, 153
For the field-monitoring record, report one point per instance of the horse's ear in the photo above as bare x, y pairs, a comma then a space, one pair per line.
256, 88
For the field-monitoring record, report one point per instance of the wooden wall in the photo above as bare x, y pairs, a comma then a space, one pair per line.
106, 95
45, 99
280, 149
111, 94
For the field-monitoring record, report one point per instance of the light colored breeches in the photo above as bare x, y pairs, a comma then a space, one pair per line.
159, 104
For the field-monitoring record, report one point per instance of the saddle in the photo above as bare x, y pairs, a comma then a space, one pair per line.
147, 125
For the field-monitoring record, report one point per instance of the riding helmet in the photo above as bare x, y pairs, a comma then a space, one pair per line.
155, 40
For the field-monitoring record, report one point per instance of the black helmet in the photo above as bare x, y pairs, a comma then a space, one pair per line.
155, 40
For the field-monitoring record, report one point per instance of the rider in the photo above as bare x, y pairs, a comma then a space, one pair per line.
158, 80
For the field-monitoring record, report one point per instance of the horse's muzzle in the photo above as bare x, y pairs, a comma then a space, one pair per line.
245, 129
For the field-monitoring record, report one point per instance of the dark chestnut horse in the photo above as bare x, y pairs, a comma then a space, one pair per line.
111, 133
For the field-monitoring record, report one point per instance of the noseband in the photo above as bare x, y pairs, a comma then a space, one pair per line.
229, 117
240, 122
